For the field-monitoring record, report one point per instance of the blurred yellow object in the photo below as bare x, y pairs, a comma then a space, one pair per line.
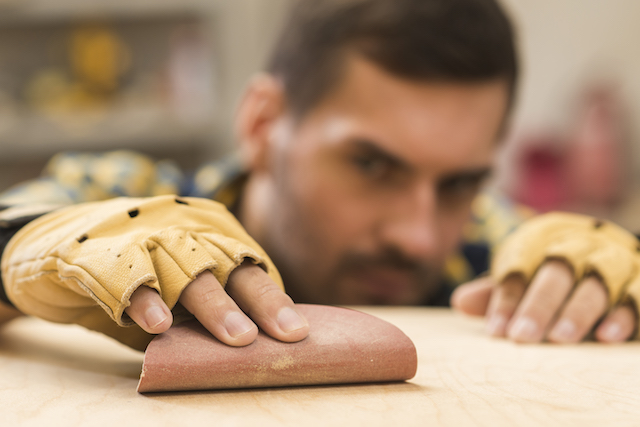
52, 92
107, 175
98, 59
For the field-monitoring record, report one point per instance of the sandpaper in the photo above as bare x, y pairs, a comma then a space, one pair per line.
343, 346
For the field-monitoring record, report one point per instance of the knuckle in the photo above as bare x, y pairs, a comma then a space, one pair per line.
560, 268
511, 293
264, 296
211, 296
545, 303
591, 296
266, 290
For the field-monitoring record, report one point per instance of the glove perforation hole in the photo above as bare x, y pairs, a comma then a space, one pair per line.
598, 223
134, 213
193, 249
181, 202
82, 238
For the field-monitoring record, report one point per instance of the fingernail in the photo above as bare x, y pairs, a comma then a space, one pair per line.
237, 324
154, 316
524, 329
496, 325
564, 330
612, 332
289, 320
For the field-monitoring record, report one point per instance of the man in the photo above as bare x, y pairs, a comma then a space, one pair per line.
365, 145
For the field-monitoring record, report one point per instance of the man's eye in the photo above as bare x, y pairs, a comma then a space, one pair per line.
372, 166
461, 187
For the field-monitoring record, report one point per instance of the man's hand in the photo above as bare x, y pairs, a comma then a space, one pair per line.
547, 309
110, 264
222, 310
559, 277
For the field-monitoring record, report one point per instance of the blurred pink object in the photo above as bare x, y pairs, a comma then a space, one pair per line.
543, 174
596, 166
584, 171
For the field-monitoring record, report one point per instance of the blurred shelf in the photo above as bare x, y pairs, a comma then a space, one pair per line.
234, 37
167, 43
19, 12
35, 136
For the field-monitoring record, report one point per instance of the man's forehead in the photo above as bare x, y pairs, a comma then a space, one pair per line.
411, 119
360, 76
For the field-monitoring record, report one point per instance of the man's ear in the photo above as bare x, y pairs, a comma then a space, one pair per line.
261, 107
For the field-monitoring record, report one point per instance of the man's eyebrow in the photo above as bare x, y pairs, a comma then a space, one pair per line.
479, 174
371, 148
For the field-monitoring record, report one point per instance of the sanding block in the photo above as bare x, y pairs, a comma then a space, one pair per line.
343, 346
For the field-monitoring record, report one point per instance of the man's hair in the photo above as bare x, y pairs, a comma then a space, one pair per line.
425, 40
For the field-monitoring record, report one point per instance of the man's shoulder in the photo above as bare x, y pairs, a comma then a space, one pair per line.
493, 217
75, 177
221, 180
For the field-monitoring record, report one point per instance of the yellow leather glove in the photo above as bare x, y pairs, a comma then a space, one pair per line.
75, 264
587, 245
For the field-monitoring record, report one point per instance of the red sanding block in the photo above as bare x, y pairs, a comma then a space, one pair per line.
343, 346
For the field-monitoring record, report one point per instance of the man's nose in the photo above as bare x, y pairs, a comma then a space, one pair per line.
412, 225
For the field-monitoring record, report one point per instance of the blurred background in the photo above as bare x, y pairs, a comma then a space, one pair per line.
575, 138
163, 77
157, 76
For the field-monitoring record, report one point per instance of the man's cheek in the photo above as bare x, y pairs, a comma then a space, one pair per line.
452, 234
334, 203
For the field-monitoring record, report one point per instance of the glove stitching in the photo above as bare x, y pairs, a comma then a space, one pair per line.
212, 265
239, 259
120, 304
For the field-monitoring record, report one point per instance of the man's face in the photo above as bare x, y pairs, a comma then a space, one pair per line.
370, 190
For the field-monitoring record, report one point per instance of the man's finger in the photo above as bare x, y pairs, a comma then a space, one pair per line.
585, 306
503, 303
473, 298
149, 311
543, 299
617, 326
207, 300
273, 310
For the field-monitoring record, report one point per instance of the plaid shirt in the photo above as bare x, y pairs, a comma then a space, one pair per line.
82, 177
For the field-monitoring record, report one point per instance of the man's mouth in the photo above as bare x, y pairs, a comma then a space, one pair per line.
385, 285
388, 278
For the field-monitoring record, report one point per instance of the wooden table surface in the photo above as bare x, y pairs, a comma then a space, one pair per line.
54, 375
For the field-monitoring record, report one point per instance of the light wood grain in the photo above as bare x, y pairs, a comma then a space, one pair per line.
63, 375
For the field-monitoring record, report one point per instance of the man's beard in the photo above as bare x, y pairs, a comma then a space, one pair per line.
422, 279
345, 282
